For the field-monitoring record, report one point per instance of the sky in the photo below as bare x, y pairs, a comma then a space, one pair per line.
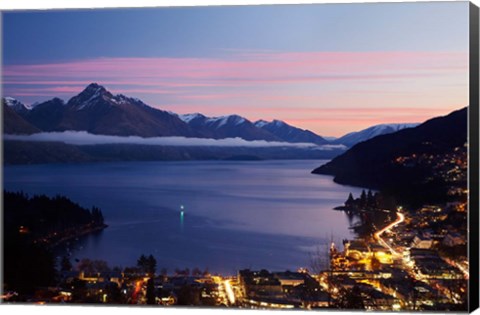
329, 68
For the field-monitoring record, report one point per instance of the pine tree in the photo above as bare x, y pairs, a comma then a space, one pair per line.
370, 199
350, 201
148, 264
363, 199
151, 265
142, 263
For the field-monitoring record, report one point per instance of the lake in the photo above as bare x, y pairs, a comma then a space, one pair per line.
236, 214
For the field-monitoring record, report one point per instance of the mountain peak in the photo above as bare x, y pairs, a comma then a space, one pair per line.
236, 119
274, 123
260, 123
289, 133
92, 92
278, 123
57, 100
224, 120
94, 87
15, 104
189, 117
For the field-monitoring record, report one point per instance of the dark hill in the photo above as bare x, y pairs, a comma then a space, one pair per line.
371, 163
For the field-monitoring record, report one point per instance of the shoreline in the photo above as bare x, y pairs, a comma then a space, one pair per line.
81, 231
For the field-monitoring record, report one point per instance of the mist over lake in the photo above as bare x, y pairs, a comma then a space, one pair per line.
237, 214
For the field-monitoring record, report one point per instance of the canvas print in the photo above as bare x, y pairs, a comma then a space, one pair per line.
307, 157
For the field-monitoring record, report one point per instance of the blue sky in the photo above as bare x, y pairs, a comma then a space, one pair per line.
206, 31
44, 50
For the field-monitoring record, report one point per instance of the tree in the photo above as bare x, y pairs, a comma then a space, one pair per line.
363, 199
370, 199
147, 264
151, 292
151, 265
142, 263
350, 201
97, 216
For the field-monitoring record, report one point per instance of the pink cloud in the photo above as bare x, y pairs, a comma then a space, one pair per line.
271, 67
267, 84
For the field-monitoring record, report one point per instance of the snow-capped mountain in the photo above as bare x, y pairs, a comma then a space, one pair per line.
218, 122
353, 138
16, 105
213, 122
230, 126
289, 133
192, 117
98, 111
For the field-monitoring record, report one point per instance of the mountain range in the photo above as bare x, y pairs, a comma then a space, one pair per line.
97, 111
227, 127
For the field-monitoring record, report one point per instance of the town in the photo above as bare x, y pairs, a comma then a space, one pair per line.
401, 259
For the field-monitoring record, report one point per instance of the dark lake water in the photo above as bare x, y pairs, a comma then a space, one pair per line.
262, 214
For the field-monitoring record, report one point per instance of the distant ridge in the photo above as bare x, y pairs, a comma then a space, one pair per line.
290, 133
353, 138
229, 126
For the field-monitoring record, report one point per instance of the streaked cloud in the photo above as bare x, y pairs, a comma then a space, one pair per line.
85, 138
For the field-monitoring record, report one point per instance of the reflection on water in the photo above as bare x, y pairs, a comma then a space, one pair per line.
261, 214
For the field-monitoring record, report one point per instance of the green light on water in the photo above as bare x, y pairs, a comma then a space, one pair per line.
181, 220
182, 214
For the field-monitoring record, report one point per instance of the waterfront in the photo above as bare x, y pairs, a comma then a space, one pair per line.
262, 214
